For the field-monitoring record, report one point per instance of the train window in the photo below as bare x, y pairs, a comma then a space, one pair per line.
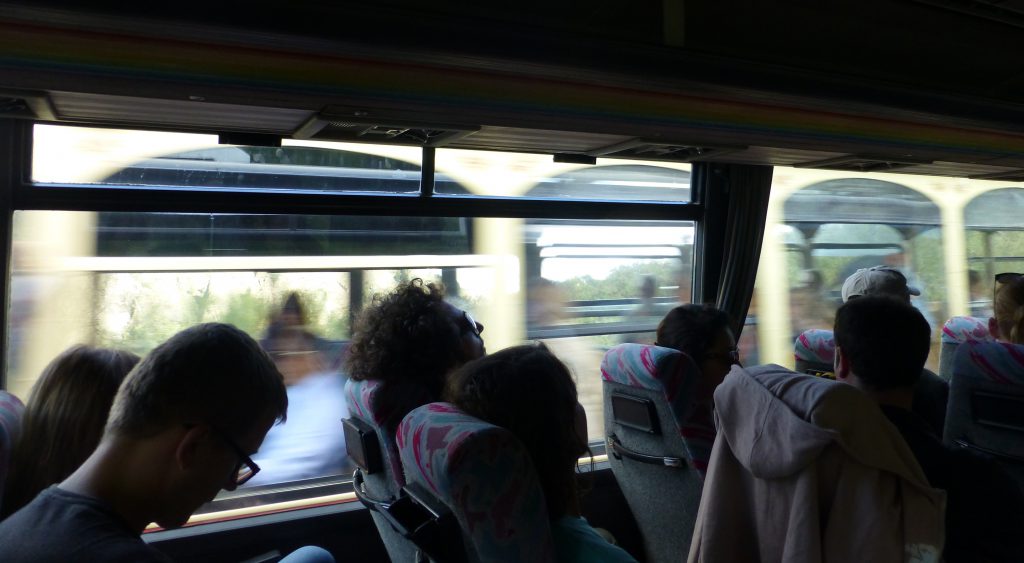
117, 157
538, 176
828, 224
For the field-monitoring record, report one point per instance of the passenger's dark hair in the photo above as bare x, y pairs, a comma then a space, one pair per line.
64, 419
885, 340
210, 373
692, 329
407, 340
530, 392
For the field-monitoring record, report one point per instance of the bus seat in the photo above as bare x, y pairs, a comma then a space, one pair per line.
11, 410
815, 351
986, 403
484, 476
379, 476
956, 331
659, 442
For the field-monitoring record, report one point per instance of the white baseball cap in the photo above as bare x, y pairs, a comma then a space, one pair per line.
878, 280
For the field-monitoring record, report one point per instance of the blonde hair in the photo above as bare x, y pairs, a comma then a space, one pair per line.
64, 419
1009, 310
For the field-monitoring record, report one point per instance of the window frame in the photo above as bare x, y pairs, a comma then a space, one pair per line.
20, 193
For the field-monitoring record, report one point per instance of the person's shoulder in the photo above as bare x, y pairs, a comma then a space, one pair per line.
60, 525
576, 541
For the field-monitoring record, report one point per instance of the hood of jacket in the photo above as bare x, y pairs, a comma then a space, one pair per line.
777, 422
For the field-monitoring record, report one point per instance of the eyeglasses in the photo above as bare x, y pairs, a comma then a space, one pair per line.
476, 328
732, 356
280, 355
246, 467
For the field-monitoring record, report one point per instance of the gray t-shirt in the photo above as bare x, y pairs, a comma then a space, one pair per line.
60, 526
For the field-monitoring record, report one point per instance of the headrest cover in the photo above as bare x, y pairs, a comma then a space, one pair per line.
878, 280
962, 329
484, 475
815, 345
655, 368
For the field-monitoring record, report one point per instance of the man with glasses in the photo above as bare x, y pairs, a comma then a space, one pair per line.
183, 426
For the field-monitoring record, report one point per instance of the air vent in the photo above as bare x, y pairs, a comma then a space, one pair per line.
26, 105
362, 128
643, 149
1006, 176
863, 163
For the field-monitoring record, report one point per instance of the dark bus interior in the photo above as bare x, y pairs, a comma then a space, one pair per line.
931, 87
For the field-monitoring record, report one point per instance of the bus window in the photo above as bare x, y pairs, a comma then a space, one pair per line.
829, 226
538, 176
118, 157
131, 279
995, 243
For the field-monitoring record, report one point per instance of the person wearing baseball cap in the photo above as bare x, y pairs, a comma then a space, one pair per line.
878, 280
931, 393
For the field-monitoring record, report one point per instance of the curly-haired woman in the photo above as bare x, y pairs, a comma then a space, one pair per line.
410, 340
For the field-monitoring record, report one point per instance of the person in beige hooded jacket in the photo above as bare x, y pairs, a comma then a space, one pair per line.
807, 470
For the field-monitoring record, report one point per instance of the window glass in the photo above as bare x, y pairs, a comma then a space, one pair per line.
824, 225
538, 176
118, 157
130, 280
995, 243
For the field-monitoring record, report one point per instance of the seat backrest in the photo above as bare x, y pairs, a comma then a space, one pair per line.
383, 485
659, 441
484, 475
956, 331
986, 403
11, 411
815, 351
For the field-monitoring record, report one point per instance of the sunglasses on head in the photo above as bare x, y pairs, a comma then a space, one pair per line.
471, 325
1003, 279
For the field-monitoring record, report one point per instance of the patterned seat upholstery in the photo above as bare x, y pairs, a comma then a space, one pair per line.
815, 351
956, 331
11, 411
386, 484
986, 402
659, 441
484, 475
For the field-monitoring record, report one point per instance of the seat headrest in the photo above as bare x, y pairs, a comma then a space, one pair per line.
999, 362
484, 475
962, 329
360, 397
815, 345
655, 368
